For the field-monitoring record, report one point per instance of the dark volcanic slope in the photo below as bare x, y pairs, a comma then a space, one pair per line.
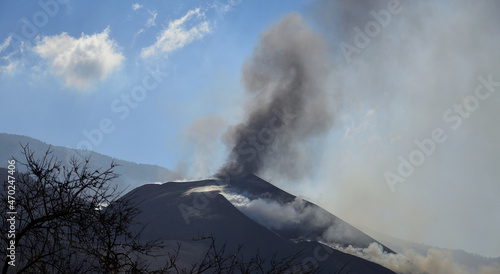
174, 215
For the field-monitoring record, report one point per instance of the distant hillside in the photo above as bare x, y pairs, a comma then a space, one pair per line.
132, 175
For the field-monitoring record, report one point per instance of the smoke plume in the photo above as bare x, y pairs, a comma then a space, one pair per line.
289, 105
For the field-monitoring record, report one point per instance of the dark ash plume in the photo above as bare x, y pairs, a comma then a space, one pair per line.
289, 104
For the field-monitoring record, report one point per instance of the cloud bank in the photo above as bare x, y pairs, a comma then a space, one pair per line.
83, 61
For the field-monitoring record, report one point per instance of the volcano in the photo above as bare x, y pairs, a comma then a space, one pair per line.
178, 212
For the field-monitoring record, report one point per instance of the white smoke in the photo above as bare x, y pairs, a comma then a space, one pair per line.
435, 261
269, 213
275, 216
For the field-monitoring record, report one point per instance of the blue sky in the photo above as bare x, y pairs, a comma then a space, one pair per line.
204, 44
158, 82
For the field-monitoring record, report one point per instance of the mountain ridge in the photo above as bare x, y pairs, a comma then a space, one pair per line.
132, 174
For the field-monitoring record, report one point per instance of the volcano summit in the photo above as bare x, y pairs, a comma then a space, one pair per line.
255, 214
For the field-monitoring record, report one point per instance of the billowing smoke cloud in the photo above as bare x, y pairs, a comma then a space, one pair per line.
408, 68
289, 104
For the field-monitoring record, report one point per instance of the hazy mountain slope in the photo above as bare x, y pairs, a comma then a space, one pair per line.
131, 174
176, 211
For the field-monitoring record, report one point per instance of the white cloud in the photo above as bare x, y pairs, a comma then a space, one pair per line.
136, 6
151, 22
80, 61
152, 19
222, 9
177, 35
9, 67
12, 55
11, 64
6, 43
